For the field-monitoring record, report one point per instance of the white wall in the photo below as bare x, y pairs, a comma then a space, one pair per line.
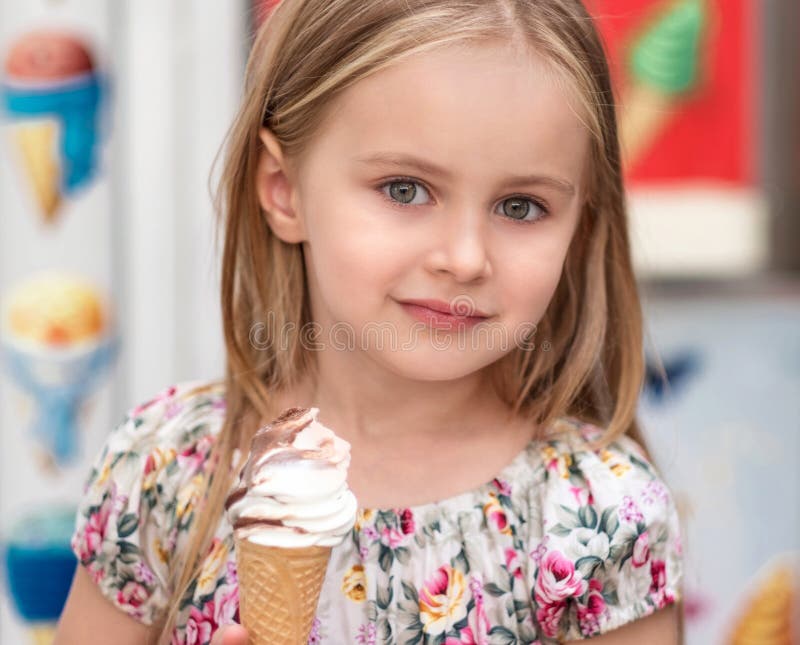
143, 230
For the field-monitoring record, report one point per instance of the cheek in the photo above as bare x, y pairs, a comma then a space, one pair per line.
353, 253
529, 275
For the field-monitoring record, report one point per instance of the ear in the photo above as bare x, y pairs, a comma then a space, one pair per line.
275, 191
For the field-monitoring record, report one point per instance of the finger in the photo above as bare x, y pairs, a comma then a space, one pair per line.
233, 635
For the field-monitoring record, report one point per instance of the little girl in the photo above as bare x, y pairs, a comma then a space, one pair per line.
425, 237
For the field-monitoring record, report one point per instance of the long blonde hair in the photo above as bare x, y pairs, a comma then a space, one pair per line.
307, 52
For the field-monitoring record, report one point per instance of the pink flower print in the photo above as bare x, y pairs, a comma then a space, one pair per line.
482, 626
162, 396
658, 585
503, 487
363, 551
173, 409
172, 539
576, 493
367, 634
132, 595
407, 521
143, 573
371, 533
557, 462
465, 637
232, 576
90, 542
314, 636
588, 615
200, 625
496, 515
513, 563
442, 600
658, 572
219, 404
538, 553
392, 538
557, 579
641, 550
119, 501
205, 444
579, 493
590, 499
226, 603
549, 616
629, 511
652, 492
193, 457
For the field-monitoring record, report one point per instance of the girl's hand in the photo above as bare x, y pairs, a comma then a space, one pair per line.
230, 635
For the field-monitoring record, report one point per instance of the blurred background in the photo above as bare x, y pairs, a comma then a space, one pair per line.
111, 114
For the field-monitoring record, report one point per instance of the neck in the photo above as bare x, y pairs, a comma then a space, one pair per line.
364, 402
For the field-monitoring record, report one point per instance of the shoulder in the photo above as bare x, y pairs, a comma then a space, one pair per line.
606, 474
177, 424
174, 417
611, 540
139, 496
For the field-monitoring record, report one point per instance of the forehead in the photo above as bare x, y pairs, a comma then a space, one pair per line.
471, 107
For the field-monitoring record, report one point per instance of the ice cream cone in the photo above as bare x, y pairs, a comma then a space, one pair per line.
768, 617
43, 634
664, 67
646, 111
289, 509
37, 144
278, 590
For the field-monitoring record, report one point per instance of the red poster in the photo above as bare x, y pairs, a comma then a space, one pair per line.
705, 52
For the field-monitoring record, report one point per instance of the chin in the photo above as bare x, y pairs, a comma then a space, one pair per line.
426, 363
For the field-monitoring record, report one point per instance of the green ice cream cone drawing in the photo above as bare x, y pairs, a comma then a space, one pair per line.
663, 67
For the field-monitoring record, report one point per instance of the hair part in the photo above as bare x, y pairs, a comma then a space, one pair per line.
305, 54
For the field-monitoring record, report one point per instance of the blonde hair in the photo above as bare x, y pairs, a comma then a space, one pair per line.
305, 54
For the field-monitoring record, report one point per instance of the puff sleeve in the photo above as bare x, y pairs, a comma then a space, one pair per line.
137, 500
611, 550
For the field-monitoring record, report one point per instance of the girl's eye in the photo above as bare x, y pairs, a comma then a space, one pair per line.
523, 209
403, 191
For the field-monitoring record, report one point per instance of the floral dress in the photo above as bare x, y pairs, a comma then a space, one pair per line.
564, 543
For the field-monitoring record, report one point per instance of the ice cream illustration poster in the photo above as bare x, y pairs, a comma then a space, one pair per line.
51, 93
685, 74
58, 342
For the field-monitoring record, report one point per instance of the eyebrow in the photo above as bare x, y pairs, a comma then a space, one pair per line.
410, 161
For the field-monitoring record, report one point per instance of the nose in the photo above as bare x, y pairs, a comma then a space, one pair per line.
460, 248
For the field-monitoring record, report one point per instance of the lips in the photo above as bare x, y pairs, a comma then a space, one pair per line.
458, 308
442, 317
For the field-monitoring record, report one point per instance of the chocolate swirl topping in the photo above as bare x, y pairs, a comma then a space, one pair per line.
279, 432
292, 488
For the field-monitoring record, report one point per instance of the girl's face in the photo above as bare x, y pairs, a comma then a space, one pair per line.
453, 176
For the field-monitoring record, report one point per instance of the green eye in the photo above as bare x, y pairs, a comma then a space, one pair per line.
518, 209
402, 191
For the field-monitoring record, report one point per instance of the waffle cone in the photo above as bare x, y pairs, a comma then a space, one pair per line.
278, 591
767, 619
646, 112
36, 143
